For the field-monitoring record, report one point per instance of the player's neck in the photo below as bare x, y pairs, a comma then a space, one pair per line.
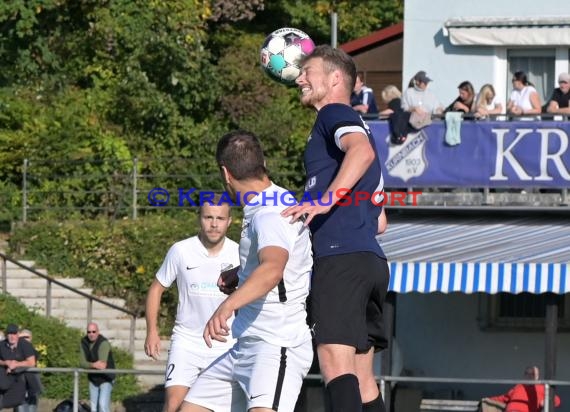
333, 99
251, 187
213, 249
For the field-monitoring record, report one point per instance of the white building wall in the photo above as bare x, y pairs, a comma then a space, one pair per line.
426, 47
438, 336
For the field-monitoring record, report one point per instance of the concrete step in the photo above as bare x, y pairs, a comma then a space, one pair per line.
75, 303
125, 332
99, 315
56, 292
18, 272
39, 283
151, 380
72, 310
120, 323
10, 265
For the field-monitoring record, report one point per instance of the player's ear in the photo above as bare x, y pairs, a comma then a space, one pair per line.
336, 77
226, 176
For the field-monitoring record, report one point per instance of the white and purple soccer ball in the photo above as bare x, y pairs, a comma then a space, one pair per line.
282, 51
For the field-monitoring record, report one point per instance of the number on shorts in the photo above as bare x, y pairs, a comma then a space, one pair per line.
169, 370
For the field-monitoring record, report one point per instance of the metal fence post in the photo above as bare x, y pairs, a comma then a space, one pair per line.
132, 335
75, 390
135, 170
48, 299
25, 191
4, 275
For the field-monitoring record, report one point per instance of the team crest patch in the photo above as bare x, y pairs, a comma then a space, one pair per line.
407, 160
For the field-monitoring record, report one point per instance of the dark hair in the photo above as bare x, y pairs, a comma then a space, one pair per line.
468, 87
521, 76
241, 154
335, 59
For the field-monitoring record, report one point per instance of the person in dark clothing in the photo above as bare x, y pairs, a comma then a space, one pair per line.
33, 383
96, 353
362, 99
464, 101
398, 119
559, 102
15, 356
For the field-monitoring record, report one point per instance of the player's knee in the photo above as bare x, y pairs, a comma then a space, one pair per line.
336, 360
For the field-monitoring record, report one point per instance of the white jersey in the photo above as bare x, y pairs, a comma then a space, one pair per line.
196, 275
280, 317
521, 98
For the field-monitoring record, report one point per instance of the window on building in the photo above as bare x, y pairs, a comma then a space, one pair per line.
525, 311
538, 64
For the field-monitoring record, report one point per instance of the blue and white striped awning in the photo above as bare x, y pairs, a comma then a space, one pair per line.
478, 255
426, 277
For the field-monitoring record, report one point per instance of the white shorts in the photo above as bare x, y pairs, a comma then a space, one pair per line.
253, 374
184, 365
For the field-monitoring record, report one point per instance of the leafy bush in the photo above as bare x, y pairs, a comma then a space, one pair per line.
60, 348
116, 259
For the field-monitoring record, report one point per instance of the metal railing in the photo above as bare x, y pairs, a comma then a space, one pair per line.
382, 380
50, 280
118, 188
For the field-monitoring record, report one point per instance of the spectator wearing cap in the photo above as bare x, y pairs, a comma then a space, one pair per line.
559, 101
16, 355
417, 97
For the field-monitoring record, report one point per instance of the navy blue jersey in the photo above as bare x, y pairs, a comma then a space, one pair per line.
366, 96
348, 227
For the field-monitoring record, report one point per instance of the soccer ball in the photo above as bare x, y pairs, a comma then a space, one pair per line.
281, 52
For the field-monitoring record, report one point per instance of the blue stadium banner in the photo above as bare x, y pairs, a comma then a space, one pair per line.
515, 154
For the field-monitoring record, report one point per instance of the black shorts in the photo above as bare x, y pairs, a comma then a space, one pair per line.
346, 301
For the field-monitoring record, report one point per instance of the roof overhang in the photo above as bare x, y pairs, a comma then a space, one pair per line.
508, 31
484, 254
374, 39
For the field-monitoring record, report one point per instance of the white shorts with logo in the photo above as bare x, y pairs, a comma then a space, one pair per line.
253, 374
184, 364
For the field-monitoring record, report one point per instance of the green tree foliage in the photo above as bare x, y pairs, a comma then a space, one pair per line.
356, 18
253, 101
87, 85
235, 10
118, 259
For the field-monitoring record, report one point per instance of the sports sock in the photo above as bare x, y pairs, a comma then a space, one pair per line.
343, 394
377, 405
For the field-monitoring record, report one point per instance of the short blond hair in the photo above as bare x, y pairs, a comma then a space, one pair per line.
390, 92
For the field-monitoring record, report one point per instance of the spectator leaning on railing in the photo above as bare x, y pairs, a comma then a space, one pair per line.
16, 355
559, 101
524, 97
362, 99
95, 353
33, 383
486, 102
464, 101
417, 97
